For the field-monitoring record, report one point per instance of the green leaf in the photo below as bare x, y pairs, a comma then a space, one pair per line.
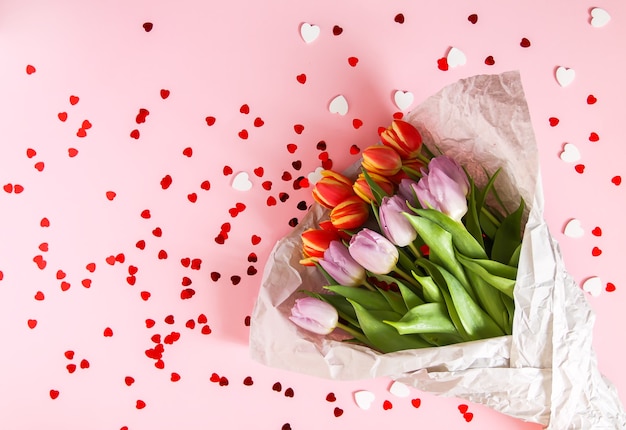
426, 318
441, 248
369, 299
394, 300
377, 191
487, 225
509, 304
409, 293
505, 285
429, 288
382, 336
472, 221
461, 238
508, 236
476, 322
514, 261
490, 300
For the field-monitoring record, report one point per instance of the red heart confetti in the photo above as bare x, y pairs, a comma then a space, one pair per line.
580, 168
442, 64
74, 100
330, 397
165, 94
72, 152
140, 404
463, 408
108, 332
338, 412
591, 99
387, 405
147, 26
468, 416
337, 30
593, 137
30, 69
597, 231
244, 109
298, 128
301, 78
32, 323
616, 180
187, 152
473, 18
490, 61
553, 121
248, 381
353, 61
30, 152
69, 354
416, 403
610, 287
210, 120
596, 251
54, 394
524, 43
399, 18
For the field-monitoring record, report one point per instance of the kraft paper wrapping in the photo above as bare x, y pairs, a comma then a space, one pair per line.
546, 371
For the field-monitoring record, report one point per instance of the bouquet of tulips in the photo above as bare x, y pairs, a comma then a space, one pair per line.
412, 254
429, 262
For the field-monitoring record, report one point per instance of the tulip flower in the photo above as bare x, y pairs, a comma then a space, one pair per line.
444, 188
362, 189
332, 189
340, 265
315, 241
394, 224
402, 137
406, 190
373, 251
349, 214
314, 315
382, 160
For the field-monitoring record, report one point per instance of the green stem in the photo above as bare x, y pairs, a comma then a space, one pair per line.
358, 336
407, 277
368, 285
423, 158
416, 252
489, 215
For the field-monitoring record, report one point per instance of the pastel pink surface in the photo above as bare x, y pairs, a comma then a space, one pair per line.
88, 68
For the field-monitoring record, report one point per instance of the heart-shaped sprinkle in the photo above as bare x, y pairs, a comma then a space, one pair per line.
473, 18
442, 64
468, 416
553, 121
399, 389
387, 405
593, 286
399, 18
490, 61
416, 403
596, 251
337, 30
338, 412
597, 231
330, 397
599, 17
54, 394
147, 26
301, 78
455, 57
165, 94
570, 153
616, 180
339, 105
364, 399
593, 137
463, 408
30, 69
309, 32
565, 76
610, 287
403, 99
580, 168
591, 99
241, 182
353, 61
573, 229
524, 43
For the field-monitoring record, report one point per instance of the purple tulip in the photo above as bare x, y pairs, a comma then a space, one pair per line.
395, 225
444, 188
341, 266
314, 315
373, 251
406, 190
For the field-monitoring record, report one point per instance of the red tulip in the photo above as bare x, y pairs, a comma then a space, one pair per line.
349, 214
332, 189
382, 160
402, 137
315, 242
362, 189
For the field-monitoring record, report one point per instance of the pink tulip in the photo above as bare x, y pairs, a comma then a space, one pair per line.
314, 315
373, 251
395, 225
444, 187
341, 266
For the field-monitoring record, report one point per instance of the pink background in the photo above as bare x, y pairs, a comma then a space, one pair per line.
213, 58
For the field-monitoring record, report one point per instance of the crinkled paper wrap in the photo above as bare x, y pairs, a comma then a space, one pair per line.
546, 371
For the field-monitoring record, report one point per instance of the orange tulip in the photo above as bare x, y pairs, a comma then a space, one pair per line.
362, 189
332, 189
349, 214
402, 137
382, 160
315, 242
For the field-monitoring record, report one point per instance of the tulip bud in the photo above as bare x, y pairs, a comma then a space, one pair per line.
444, 188
315, 242
314, 315
382, 160
402, 137
373, 251
332, 189
349, 214
406, 190
395, 225
362, 188
340, 265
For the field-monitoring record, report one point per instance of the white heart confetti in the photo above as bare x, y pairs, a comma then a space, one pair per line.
309, 32
403, 99
565, 76
241, 182
573, 228
399, 389
364, 399
570, 153
315, 175
599, 17
339, 105
593, 286
455, 57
